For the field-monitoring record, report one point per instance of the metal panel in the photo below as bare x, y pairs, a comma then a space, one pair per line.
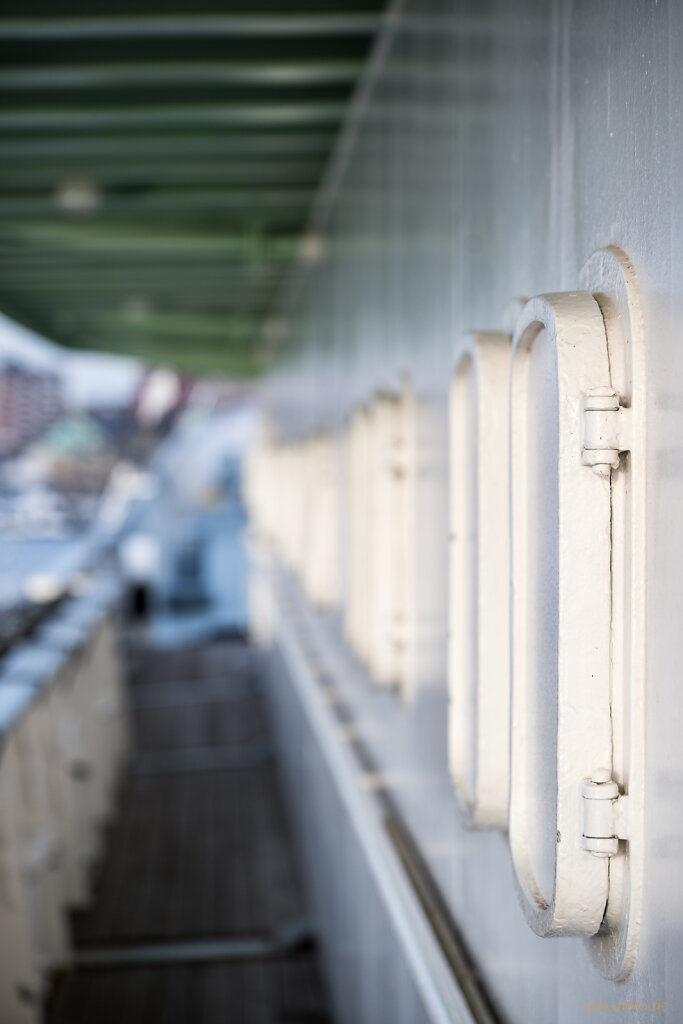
566, 140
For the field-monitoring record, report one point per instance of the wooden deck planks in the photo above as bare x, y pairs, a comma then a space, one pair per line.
196, 854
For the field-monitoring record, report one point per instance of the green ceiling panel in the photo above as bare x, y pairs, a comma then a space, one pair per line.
158, 164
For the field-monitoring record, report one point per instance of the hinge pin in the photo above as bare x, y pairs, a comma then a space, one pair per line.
603, 814
605, 432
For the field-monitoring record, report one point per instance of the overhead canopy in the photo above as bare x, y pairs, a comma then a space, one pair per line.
158, 162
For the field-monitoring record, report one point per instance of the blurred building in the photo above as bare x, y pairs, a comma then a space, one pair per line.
30, 401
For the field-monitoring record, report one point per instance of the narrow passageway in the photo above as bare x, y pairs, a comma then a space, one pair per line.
198, 915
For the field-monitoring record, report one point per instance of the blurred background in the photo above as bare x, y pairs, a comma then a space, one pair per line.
96, 448
158, 168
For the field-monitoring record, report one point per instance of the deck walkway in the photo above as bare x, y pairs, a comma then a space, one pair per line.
198, 916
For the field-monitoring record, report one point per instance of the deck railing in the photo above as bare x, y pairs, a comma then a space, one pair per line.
63, 745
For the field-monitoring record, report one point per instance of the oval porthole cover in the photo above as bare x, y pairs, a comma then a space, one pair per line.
479, 682
577, 503
561, 608
385, 596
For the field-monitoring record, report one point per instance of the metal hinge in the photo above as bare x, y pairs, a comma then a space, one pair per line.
606, 430
605, 814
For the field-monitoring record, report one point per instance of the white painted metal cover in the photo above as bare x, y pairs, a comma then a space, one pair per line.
479, 677
576, 594
561, 730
